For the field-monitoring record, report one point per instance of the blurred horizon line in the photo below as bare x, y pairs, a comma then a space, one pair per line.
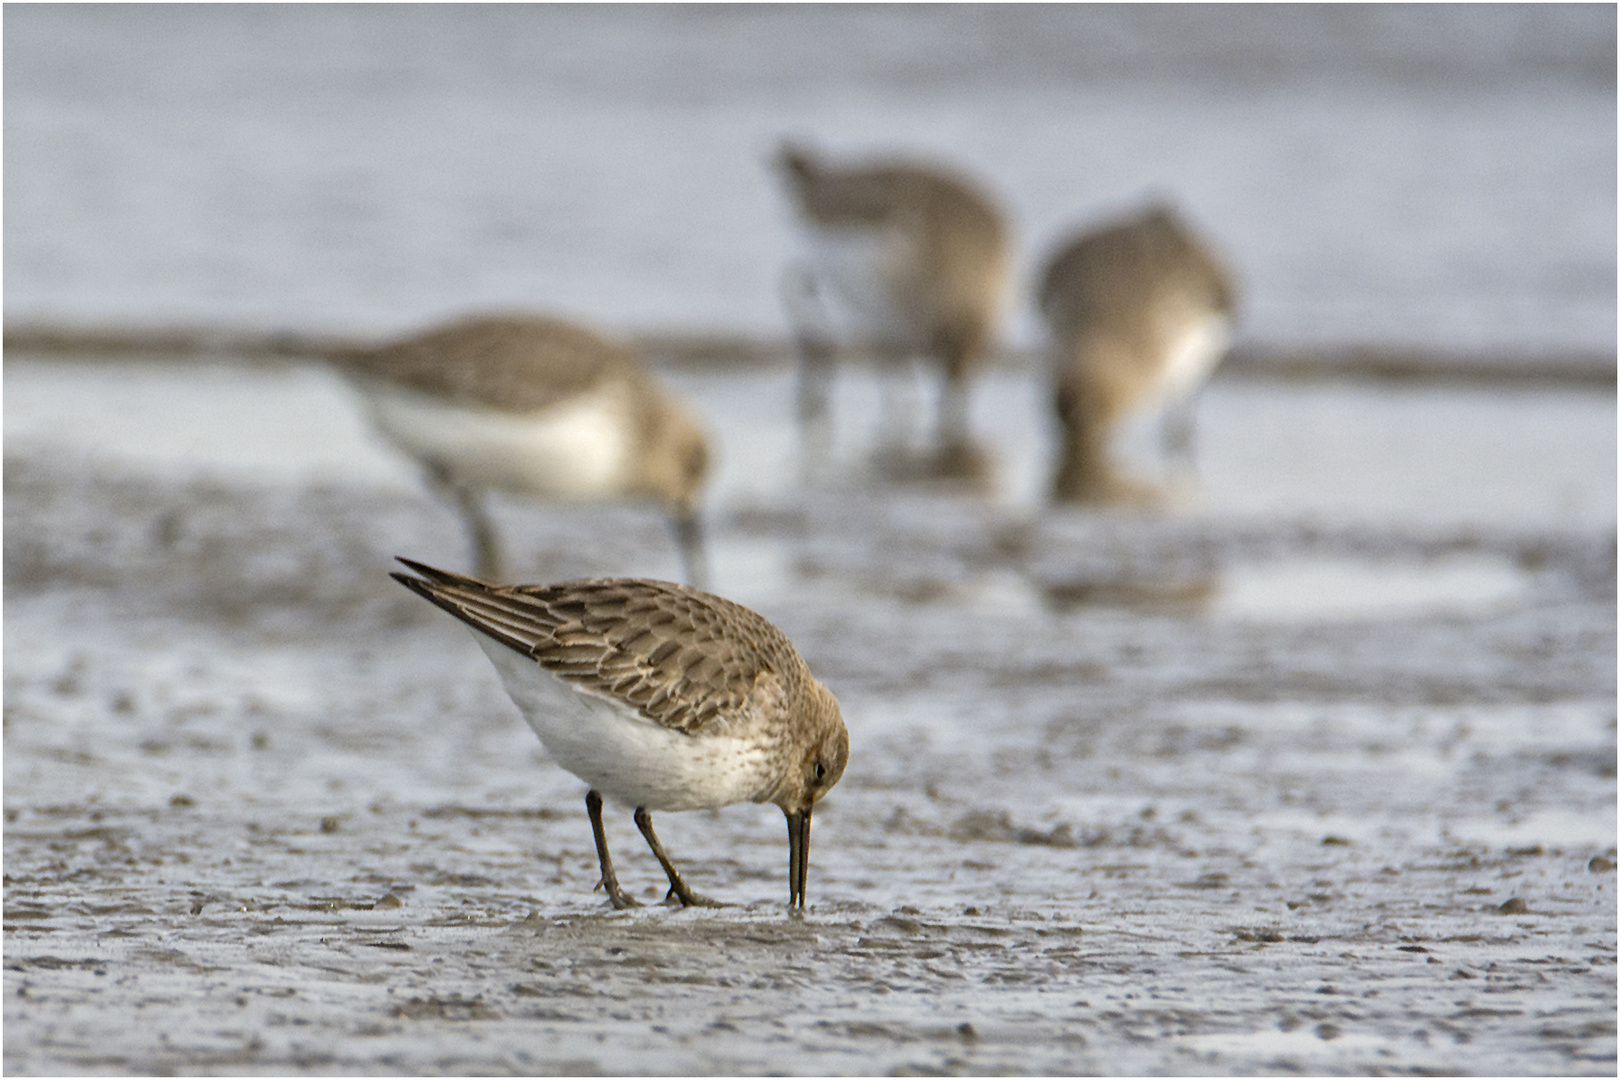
688, 349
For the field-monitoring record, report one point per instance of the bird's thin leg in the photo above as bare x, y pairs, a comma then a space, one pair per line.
491, 567
689, 539
956, 455
677, 887
1180, 433
475, 517
813, 340
952, 425
610, 882
898, 388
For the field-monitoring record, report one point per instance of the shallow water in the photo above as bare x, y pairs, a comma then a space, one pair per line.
1301, 776
1322, 589
1329, 451
1439, 177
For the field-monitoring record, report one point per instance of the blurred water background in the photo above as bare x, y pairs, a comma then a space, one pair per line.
1433, 175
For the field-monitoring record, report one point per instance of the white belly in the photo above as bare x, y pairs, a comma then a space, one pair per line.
1193, 348
861, 271
625, 757
578, 449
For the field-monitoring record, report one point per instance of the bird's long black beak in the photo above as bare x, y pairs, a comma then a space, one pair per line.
798, 857
689, 538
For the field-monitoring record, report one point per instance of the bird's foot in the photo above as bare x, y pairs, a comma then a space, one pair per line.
620, 899
959, 466
1110, 488
965, 462
687, 898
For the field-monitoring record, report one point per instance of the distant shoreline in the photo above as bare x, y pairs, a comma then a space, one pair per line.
688, 350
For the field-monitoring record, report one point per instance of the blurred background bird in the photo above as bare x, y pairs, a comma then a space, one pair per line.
539, 407
909, 261
1138, 313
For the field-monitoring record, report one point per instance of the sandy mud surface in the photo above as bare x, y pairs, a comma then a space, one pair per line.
1247, 790
1313, 774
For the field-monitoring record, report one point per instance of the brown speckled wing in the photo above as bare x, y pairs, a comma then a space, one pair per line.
1112, 275
685, 659
950, 247
515, 363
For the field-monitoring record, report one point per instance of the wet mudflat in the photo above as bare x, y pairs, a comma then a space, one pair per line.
1316, 774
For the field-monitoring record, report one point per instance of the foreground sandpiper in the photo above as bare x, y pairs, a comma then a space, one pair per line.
1138, 313
908, 257
534, 406
660, 697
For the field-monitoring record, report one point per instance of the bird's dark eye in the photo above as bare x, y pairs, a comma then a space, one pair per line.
821, 771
